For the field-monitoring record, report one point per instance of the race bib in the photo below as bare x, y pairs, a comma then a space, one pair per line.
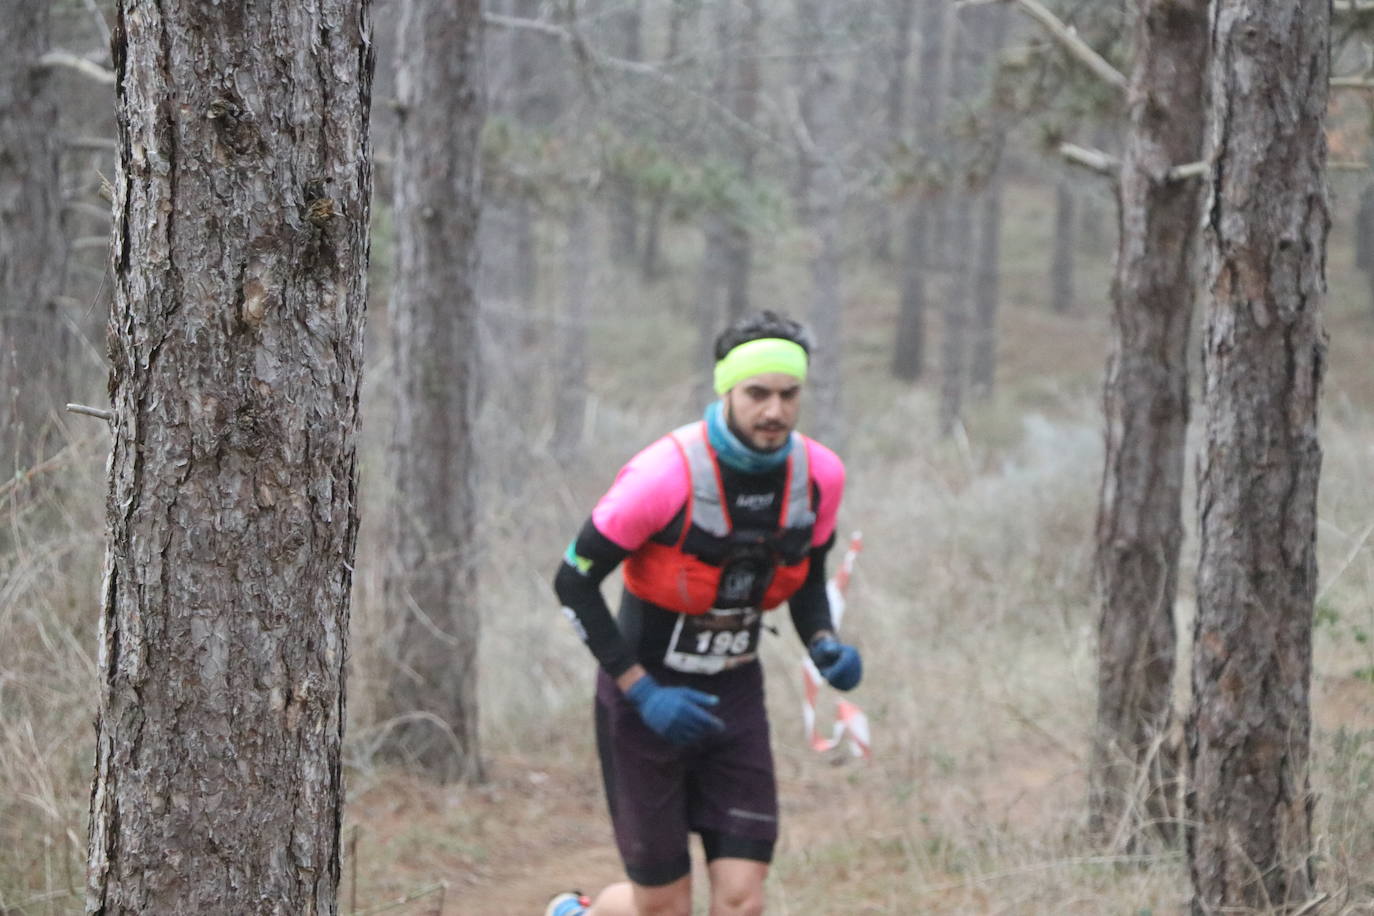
712, 642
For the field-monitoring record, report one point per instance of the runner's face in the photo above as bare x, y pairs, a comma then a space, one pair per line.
762, 410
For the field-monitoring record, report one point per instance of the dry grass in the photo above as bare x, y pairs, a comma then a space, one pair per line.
972, 604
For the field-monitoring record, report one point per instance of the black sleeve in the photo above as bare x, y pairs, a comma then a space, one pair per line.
810, 605
589, 560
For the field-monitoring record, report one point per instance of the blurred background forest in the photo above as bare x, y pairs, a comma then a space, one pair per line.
893, 173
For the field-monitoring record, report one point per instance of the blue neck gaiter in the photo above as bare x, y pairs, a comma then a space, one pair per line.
733, 453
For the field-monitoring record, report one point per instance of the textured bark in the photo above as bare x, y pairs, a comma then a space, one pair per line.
909, 350
429, 587
32, 246
1265, 230
1062, 252
570, 374
1140, 515
239, 263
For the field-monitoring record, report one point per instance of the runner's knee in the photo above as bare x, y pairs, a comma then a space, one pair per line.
737, 901
670, 900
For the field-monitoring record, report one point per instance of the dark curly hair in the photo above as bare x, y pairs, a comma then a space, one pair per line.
766, 323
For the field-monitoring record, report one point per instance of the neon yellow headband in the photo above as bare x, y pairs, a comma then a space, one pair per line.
755, 357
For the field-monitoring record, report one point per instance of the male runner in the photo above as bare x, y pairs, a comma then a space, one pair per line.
716, 523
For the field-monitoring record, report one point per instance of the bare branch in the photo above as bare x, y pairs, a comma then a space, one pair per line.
87, 209
1190, 170
97, 412
1352, 7
529, 25
90, 242
1092, 159
79, 64
584, 53
1067, 36
1352, 82
91, 144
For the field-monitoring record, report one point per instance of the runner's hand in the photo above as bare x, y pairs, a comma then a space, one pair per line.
839, 664
677, 713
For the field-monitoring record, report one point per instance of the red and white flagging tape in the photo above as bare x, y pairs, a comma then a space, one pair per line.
850, 721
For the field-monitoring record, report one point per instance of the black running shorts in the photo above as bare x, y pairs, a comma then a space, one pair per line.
721, 787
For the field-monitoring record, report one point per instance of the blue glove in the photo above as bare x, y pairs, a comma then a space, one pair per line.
839, 664
677, 713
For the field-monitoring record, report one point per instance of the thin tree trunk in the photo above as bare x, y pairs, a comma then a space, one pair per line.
958, 236
709, 303
1265, 231
895, 105
239, 263
32, 247
743, 92
680, 18
626, 22
909, 351
430, 589
1062, 253
822, 209
570, 374
1135, 765
992, 31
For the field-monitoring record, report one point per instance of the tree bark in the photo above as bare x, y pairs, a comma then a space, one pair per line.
903, 13
1133, 778
626, 24
32, 246
957, 235
822, 210
909, 350
239, 262
1062, 253
680, 18
742, 91
430, 586
570, 374
1265, 229
992, 31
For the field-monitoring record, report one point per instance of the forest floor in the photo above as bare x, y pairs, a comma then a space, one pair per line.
850, 843
533, 829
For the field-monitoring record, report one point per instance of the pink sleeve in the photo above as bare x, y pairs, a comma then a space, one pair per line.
827, 470
647, 493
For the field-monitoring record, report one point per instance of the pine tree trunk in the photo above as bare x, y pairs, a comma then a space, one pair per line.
651, 259
1062, 253
903, 14
429, 588
1139, 523
1265, 233
625, 20
822, 210
909, 350
992, 31
239, 263
570, 372
32, 246
742, 96
957, 237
